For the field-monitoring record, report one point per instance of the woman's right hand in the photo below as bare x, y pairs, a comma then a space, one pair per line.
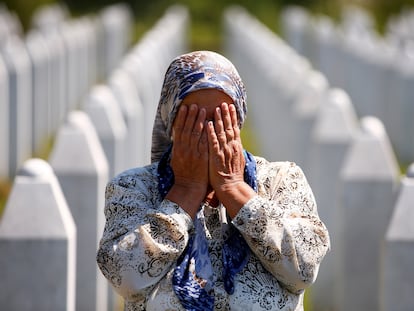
189, 158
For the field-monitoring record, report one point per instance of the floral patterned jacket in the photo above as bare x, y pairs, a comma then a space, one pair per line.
144, 236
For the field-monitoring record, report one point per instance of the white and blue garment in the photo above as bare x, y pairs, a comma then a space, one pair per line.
193, 294
186, 74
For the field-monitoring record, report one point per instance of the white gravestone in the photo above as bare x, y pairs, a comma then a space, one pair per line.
106, 116
20, 94
130, 105
135, 67
87, 35
81, 167
398, 273
305, 109
4, 120
37, 243
49, 16
295, 21
327, 39
58, 79
116, 22
335, 125
40, 60
401, 108
73, 76
368, 183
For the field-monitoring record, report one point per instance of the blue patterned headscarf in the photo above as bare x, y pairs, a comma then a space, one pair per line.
188, 73
193, 280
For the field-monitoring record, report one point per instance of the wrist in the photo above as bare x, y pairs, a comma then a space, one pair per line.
188, 197
234, 195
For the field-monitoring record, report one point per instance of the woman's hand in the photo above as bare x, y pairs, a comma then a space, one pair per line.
189, 158
226, 160
226, 165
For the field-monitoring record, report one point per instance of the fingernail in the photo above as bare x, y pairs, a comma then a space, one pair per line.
183, 107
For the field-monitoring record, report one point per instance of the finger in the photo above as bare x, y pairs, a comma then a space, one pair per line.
203, 143
219, 127
179, 122
234, 121
189, 123
227, 122
213, 144
198, 127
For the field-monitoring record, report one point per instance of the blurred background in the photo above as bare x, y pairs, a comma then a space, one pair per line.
206, 16
330, 86
206, 23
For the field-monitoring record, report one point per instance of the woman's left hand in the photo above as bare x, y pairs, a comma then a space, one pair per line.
226, 159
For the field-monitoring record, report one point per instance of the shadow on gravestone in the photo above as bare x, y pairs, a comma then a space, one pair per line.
82, 169
368, 181
37, 243
397, 282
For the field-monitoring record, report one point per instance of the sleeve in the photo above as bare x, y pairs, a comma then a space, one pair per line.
141, 239
283, 229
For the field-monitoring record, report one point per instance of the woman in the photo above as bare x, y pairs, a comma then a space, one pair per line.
208, 226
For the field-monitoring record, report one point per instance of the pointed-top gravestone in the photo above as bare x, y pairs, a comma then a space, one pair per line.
337, 119
372, 143
37, 243
78, 130
335, 125
400, 227
398, 275
368, 183
106, 116
81, 167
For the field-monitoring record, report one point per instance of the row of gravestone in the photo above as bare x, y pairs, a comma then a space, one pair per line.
349, 161
54, 218
46, 72
377, 71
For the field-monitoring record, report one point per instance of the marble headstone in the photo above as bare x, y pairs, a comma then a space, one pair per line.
37, 243
82, 170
